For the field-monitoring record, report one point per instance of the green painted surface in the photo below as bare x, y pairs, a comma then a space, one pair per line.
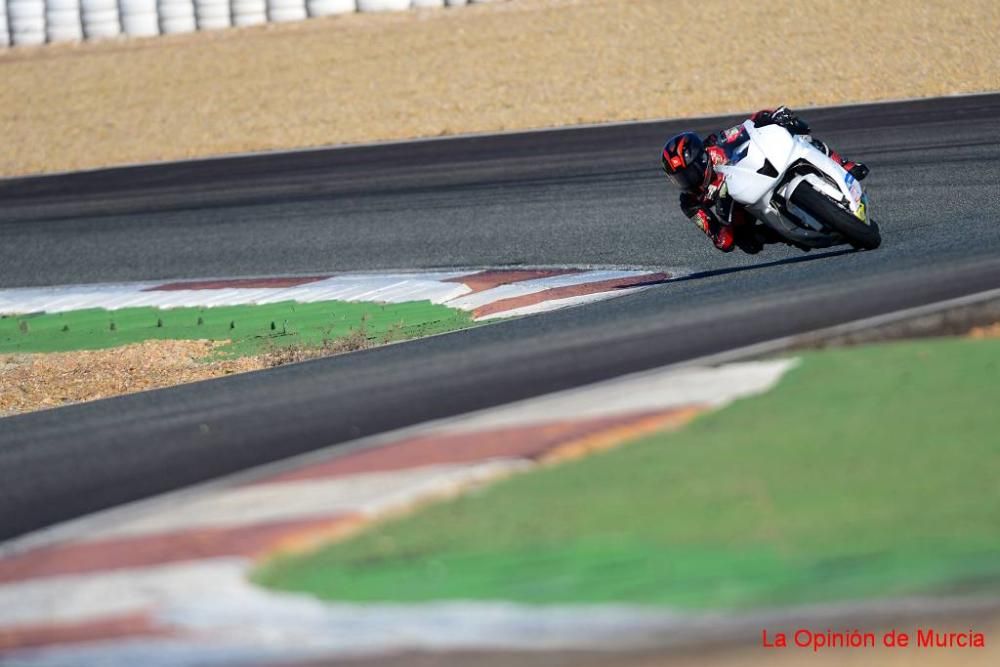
252, 329
866, 472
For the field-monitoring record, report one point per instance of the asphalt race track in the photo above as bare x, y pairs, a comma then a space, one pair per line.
577, 196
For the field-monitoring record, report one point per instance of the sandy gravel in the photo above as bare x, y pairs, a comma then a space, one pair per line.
520, 64
37, 381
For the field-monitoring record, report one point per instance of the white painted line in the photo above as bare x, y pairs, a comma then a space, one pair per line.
525, 287
367, 494
91, 596
649, 392
559, 304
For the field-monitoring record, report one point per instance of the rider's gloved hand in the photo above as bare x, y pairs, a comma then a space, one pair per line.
787, 119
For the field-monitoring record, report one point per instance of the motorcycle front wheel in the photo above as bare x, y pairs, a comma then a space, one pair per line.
857, 233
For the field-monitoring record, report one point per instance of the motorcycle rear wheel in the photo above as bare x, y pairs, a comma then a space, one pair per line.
857, 233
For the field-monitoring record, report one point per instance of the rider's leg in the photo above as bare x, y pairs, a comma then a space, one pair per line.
744, 227
856, 169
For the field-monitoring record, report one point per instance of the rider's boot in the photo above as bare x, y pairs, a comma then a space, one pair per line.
856, 169
722, 236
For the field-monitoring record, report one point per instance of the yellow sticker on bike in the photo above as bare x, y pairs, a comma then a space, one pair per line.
862, 215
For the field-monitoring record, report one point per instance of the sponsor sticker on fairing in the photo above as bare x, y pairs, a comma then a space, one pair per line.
853, 186
860, 213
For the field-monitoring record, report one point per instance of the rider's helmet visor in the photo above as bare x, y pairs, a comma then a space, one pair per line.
692, 176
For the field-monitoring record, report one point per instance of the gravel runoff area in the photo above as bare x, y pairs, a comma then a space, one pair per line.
505, 66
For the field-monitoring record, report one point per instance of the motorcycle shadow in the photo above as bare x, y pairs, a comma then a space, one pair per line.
698, 275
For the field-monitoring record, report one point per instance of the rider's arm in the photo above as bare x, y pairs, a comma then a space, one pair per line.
782, 116
706, 221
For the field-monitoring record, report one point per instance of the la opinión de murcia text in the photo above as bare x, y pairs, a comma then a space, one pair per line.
921, 638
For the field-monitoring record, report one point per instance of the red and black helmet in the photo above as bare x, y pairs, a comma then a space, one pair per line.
685, 161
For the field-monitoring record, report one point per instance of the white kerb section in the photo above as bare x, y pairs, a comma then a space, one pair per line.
556, 304
26, 21
100, 18
139, 18
649, 391
386, 288
367, 494
418, 4
441, 287
526, 287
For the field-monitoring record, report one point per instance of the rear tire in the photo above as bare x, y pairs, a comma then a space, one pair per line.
858, 234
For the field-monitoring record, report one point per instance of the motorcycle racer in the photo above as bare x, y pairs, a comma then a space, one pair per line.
690, 162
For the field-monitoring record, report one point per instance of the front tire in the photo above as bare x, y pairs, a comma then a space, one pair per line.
857, 233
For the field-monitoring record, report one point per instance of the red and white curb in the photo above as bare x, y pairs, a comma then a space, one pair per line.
486, 293
165, 581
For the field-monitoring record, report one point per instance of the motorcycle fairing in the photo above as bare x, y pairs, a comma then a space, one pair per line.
759, 179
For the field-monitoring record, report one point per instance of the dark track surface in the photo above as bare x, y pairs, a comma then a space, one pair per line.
573, 196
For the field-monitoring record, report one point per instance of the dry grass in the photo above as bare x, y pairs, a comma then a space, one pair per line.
522, 64
288, 354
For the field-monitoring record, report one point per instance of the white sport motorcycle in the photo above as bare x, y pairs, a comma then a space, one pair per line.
795, 189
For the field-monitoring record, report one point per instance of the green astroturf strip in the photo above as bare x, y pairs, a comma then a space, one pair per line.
866, 472
251, 329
